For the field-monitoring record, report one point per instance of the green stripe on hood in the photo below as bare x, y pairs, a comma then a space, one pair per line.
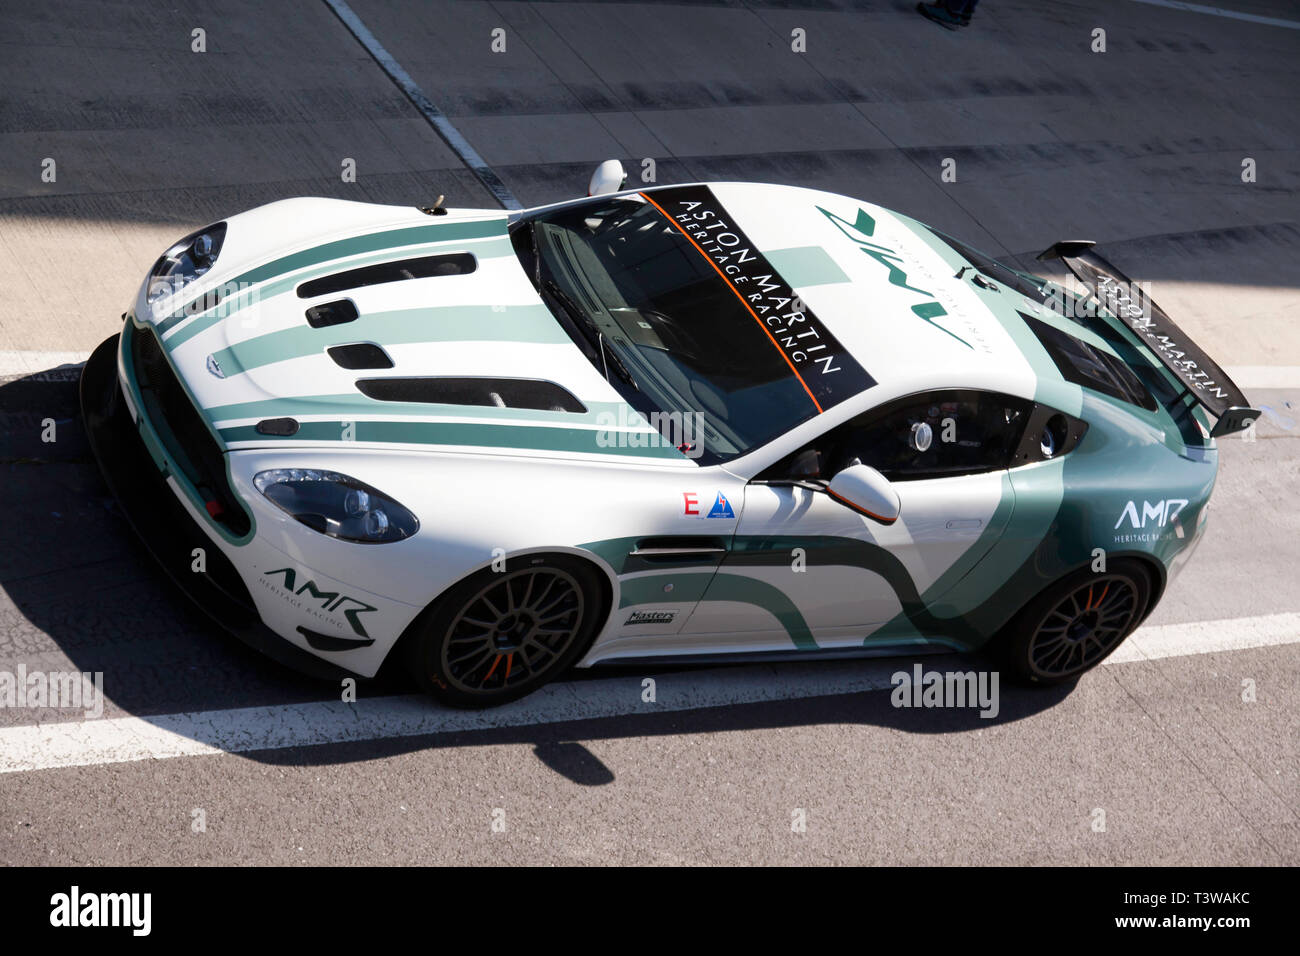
484, 434
805, 266
453, 323
348, 405
331, 252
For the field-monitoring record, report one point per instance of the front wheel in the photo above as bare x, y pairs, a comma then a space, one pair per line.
1074, 625
499, 635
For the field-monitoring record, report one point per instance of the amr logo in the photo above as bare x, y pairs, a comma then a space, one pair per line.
330, 600
1161, 512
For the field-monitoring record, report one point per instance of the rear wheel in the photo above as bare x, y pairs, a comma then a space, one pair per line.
1076, 623
499, 635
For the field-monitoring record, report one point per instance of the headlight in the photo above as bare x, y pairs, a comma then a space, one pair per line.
337, 505
185, 261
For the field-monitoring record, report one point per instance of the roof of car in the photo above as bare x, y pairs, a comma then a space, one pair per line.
882, 284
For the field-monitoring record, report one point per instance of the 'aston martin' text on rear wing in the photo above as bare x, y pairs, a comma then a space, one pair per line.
1203, 378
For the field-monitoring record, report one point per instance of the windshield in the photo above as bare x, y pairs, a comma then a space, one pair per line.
656, 316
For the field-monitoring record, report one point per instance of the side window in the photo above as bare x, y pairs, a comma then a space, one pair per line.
933, 435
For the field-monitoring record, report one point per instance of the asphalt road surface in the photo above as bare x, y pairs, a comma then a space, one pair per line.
1176, 148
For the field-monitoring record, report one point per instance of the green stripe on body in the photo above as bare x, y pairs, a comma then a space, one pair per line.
348, 405
1049, 387
154, 444
453, 323
747, 590
804, 266
484, 434
298, 271
689, 588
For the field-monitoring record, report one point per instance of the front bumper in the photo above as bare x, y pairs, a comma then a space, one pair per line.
166, 527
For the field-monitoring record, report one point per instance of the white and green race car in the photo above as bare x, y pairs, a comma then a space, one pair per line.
675, 423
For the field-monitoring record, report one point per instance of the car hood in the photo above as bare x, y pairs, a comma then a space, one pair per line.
244, 344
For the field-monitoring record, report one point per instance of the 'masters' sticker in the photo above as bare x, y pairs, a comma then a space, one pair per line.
828, 373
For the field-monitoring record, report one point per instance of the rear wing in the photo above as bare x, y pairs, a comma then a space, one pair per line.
1200, 375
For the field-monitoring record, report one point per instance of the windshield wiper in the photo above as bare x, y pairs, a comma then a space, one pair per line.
590, 330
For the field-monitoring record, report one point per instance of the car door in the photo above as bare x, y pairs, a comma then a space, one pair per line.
805, 570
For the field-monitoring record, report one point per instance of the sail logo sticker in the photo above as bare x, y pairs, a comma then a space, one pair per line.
721, 507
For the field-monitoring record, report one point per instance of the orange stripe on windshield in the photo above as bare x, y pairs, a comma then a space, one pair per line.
728, 284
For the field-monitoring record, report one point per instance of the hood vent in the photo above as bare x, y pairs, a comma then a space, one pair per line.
331, 313
278, 426
500, 392
454, 264
361, 355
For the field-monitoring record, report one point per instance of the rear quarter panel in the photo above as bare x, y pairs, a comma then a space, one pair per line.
1123, 492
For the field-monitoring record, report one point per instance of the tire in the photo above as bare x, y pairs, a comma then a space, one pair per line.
1074, 625
499, 635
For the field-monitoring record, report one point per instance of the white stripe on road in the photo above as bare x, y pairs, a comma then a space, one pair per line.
436, 118
1220, 12
1208, 637
126, 739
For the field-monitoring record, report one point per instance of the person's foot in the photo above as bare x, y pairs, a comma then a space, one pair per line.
941, 15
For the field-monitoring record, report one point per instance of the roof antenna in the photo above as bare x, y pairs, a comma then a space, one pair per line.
436, 209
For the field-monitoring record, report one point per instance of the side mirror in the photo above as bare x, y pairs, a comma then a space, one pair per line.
867, 492
608, 178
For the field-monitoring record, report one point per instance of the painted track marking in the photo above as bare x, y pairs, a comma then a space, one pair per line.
1220, 12
437, 119
127, 739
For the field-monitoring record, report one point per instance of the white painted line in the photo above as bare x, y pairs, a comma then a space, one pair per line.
436, 118
14, 363
1265, 376
1208, 637
1220, 12
127, 739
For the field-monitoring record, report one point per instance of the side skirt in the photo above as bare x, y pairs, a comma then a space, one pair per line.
765, 657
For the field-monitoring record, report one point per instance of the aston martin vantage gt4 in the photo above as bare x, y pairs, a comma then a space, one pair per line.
679, 422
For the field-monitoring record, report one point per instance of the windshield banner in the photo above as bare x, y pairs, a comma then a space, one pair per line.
828, 372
